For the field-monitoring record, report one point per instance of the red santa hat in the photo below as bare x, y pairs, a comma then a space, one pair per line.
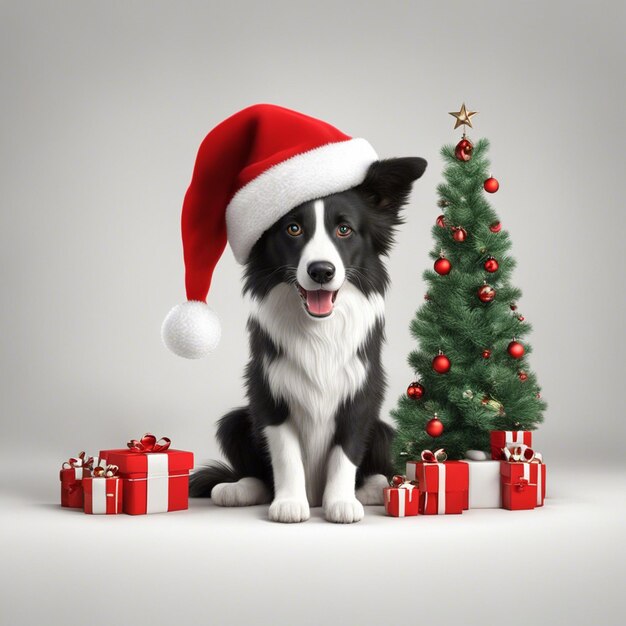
251, 170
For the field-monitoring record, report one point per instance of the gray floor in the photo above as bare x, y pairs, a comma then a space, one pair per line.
232, 566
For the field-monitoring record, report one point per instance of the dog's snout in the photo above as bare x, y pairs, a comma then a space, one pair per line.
321, 271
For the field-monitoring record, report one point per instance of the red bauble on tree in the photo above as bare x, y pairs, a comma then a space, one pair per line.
520, 318
441, 221
434, 427
442, 266
463, 150
515, 349
486, 354
523, 376
415, 390
441, 364
491, 265
496, 227
459, 234
486, 293
491, 185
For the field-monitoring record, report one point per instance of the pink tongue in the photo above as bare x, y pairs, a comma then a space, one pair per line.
319, 302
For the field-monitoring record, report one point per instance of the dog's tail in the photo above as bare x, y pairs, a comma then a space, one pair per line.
234, 434
202, 481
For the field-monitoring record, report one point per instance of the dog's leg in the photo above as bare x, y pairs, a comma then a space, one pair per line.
371, 492
290, 502
340, 503
245, 492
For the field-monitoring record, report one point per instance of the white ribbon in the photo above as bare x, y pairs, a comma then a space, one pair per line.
99, 495
514, 436
157, 491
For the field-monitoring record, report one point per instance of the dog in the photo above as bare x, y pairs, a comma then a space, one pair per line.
311, 433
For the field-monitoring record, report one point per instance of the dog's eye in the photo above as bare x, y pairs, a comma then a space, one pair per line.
294, 229
344, 230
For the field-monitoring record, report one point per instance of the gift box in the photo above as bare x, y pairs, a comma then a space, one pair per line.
71, 475
402, 498
533, 472
103, 491
519, 495
505, 438
485, 490
443, 484
155, 477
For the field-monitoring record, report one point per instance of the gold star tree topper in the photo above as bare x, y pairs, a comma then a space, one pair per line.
463, 117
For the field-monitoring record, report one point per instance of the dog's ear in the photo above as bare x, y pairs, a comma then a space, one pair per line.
388, 182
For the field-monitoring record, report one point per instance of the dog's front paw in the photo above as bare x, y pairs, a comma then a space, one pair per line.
289, 511
344, 511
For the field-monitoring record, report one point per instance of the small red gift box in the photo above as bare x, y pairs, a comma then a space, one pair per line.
103, 492
506, 438
402, 498
443, 484
519, 496
71, 475
155, 477
533, 473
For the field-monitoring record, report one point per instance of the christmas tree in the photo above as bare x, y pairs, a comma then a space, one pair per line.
472, 365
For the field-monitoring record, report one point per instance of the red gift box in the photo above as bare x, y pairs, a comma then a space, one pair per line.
443, 485
402, 501
103, 496
155, 477
506, 438
519, 496
71, 476
534, 473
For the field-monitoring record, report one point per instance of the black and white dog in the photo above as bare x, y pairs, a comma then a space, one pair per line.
311, 433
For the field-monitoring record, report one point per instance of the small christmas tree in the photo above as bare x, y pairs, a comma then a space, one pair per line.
472, 362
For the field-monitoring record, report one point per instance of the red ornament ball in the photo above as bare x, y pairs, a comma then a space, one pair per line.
486, 293
441, 221
415, 391
491, 185
434, 427
442, 266
491, 265
486, 354
463, 150
523, 376
496, 227
513, 306
521, 318
441, 364
459, 234
515, 349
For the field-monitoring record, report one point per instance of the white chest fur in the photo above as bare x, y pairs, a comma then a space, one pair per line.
318, 367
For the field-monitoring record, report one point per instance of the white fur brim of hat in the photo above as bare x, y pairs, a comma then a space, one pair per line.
329, 169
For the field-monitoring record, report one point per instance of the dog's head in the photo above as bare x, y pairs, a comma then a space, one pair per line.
324, 243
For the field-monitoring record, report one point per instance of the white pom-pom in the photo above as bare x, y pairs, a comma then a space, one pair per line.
191, 330
475, 455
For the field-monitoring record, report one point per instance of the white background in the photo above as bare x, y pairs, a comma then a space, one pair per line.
103, 107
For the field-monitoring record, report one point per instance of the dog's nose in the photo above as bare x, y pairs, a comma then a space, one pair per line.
321, 271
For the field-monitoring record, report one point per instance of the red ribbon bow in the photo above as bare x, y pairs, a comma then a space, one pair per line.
521, 454
438, 456
83, 461
148, 443
105, 472
521, 484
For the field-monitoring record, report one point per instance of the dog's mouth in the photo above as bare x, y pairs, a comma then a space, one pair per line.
318, 303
